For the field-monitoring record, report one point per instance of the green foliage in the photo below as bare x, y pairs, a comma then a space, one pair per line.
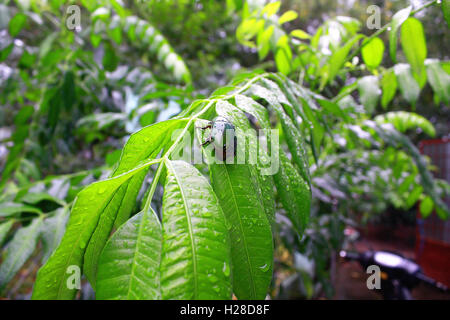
403, 121
326, 61
192, 218
397, 20
151, 226
139, 31
372, 52
137, 245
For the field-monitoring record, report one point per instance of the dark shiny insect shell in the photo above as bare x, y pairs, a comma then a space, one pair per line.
223, 137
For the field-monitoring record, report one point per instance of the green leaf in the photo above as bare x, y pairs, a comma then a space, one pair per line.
19, 137
142, 145
389, 87
147, 143
396, 23
6, 51
403, 121
294, 193
439, 80
282, 60
414, 45
251, 236
237, 187
19, 250
52, 231
101, 13
195, 261
263, 41
16, 24
300, 34
10, 208
250, 106
101, 199
406, 82
287, 16
294, 137
110, 59
337, 60
414, 196
129, 264
271, 8
426, 206
261, 171
446, 11
369, 92
372, 52
4, 228
36, 197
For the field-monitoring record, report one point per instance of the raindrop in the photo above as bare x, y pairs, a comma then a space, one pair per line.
265, 267
226, 269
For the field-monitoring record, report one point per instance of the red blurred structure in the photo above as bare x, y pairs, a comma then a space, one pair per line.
433, 234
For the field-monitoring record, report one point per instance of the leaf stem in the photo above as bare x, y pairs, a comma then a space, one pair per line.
166, 155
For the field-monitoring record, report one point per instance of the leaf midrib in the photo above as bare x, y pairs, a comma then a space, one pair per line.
191, 234
242, 232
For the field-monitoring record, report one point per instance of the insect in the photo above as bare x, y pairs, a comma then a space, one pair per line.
223, 137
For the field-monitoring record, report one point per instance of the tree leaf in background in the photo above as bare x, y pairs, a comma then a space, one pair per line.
446, 11
389, 87
413, 196
68, 90
414, 46
294, 193
4, 228
372, 52
110, 58
52, 231
10, 208
137, 28
396, 23
16, 24
337, 61
263, 41
287, 16
426, 206
439, 80
196, 249
129, 264
403, 121
283, 61
36, 197
406, 82
21, 120
271, 8
6, 51
369, 91
19, 250
300, 34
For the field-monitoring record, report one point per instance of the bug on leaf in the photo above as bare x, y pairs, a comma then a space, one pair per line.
222, 136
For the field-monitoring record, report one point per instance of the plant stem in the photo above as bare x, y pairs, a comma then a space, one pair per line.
166, 155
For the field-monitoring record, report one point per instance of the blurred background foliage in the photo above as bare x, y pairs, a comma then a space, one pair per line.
71, 98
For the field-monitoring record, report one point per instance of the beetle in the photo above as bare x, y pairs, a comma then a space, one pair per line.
222, 132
